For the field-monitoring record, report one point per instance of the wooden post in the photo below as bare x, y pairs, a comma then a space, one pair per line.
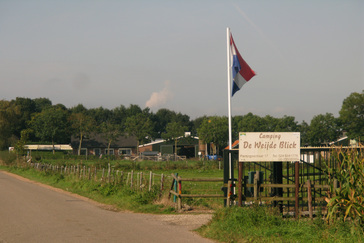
297, 183
309, 197
150, 180
175, 187
131, 179
240, 183
141, 181
173, 180
256, 179
228, 193
127, 179
179, 199
121, 177
162, 186
108, 172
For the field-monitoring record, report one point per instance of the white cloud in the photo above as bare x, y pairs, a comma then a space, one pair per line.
160, 98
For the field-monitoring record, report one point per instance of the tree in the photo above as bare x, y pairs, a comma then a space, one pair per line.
42, 104
352, 116
165, 116
303, 129
51, 125
196, 123
82, 125
323, 129
270, 123
9, 114
250, 123
214, 130
140, 126
173, 131
286, 124
19, 146
26, 107
110, 132
100, 115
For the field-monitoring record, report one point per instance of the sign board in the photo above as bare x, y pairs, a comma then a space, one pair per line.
269, 146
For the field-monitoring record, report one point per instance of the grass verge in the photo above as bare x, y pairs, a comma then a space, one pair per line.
262, 224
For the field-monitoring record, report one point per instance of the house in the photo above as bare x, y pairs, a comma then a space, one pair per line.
96, 144
188, 146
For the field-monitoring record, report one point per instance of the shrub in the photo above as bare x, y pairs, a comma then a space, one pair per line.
8, 158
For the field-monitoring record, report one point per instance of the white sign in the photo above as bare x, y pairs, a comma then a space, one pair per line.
269, 146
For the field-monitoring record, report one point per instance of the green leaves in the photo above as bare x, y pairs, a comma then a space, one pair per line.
352, 115
348, 201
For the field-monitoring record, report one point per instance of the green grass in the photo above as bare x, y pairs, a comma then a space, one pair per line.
262, 224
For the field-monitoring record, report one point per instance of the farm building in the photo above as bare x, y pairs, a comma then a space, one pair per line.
188, 146
96, 144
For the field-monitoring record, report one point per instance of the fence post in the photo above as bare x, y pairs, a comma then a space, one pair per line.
121, 177
179, 199
309, 197
162, 186
240, 182
256, 179
228, 193
131, 179
141, 181
108, 173
150, 180
175, 187
297, 183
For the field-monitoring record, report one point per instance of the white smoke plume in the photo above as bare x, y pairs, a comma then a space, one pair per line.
160, 98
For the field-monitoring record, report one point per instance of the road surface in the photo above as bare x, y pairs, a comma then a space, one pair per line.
32, 212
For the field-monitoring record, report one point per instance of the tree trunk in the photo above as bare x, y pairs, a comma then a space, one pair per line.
175, 149
108, 147
79, 146
53, 147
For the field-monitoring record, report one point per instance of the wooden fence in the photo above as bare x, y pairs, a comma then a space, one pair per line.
258, 197
176, 189
135, 180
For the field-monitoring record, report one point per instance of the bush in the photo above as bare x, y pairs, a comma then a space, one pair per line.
8, 158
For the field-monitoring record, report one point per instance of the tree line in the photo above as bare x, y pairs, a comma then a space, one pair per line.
25, 120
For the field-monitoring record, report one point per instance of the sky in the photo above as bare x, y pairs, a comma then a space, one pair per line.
308, 55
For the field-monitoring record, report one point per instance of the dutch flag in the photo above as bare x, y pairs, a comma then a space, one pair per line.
241, 72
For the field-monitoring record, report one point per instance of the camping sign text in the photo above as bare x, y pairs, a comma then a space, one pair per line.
269, 146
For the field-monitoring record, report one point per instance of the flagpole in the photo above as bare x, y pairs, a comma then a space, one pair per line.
229, 94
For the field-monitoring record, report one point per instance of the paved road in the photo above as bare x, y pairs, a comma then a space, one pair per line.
30, 212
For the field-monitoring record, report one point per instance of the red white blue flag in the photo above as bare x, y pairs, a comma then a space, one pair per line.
241, 72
